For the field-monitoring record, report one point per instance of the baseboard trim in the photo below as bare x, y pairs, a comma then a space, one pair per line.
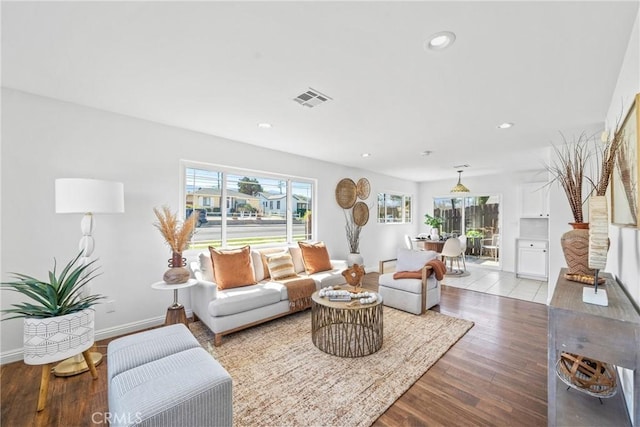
16, 355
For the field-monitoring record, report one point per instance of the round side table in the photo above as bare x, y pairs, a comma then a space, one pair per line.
175, 312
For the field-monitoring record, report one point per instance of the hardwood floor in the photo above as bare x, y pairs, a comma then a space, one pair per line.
495, 375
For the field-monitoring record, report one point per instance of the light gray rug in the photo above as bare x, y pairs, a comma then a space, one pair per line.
281, 379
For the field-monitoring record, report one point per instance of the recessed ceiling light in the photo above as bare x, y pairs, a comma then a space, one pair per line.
366, 154
505, 125
441, 40
264, 125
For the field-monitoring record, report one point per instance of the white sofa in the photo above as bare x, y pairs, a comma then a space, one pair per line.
230, 310
414, 295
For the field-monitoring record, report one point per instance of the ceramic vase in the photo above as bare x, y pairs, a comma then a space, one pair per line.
354, 258
575, 247
177, 274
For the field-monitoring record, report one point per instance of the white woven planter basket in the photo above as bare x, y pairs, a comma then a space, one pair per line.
52, 339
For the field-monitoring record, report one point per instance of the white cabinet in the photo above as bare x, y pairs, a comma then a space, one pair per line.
532, 259
534, 200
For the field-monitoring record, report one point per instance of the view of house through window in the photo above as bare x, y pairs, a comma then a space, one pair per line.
394, 208
237, 209
476, 217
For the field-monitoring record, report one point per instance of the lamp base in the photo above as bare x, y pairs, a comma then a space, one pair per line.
75, 365
590, 296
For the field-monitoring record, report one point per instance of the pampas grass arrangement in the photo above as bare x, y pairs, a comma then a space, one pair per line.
177, 235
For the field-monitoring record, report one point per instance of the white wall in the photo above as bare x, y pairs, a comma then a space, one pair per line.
623, 259
504, 185
625, 242
44, 139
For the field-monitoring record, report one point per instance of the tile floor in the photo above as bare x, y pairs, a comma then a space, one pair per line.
501, 283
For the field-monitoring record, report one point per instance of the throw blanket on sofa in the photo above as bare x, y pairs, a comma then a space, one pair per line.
299, 290
437, 267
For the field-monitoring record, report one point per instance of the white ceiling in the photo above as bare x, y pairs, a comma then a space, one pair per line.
223, 67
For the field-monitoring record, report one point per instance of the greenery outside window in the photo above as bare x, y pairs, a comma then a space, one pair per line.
249, 216
394, 208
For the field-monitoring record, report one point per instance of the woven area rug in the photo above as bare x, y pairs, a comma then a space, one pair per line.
281, 379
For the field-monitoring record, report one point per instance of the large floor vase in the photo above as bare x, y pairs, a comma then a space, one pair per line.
575, 246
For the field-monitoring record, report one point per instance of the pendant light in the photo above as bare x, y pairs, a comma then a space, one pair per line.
459, 188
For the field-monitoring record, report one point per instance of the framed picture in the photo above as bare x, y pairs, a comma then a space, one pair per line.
625, 199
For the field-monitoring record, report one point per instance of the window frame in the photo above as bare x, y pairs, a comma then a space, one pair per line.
225, 170
407, 214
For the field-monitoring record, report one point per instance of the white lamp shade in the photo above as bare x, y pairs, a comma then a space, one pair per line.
79, 195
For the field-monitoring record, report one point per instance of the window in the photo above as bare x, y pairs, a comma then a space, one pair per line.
394, 208
476, 217
248, 216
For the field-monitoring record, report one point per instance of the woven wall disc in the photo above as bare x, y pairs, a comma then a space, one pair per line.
363, 188
346, 193
360, 213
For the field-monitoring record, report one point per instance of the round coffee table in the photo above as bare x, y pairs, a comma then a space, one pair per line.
345, 330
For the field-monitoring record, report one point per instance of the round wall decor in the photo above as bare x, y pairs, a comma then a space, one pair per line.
360, 213
363, 188
346, 194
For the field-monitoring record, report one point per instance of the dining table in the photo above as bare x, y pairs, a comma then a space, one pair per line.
430, 245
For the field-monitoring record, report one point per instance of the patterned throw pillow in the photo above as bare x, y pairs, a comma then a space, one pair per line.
315, 257
232, 267
281, 266
265, 254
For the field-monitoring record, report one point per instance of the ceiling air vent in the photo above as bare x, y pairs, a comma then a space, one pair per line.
311, 98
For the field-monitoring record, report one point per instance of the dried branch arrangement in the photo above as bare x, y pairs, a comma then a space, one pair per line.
568, 172
606, 159
176, 235
353, 232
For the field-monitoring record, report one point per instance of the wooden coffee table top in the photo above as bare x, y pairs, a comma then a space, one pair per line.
343, 305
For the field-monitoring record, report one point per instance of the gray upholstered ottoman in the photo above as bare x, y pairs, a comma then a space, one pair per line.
163, 377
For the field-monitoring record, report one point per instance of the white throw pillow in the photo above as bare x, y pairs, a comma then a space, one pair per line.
296, 255
206, 266
410, 260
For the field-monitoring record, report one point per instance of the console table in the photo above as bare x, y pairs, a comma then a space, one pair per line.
610, 334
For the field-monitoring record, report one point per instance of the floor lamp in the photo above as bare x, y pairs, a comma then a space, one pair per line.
86, 196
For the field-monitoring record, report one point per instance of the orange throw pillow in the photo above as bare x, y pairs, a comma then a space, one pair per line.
315, 257
232, 267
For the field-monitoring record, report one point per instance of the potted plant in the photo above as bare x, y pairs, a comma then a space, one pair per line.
435, 223
58, 319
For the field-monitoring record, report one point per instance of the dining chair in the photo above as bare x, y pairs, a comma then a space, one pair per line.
493, 246
451, 250
408, 242
463, 247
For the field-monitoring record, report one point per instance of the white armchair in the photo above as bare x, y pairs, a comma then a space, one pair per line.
414, 295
